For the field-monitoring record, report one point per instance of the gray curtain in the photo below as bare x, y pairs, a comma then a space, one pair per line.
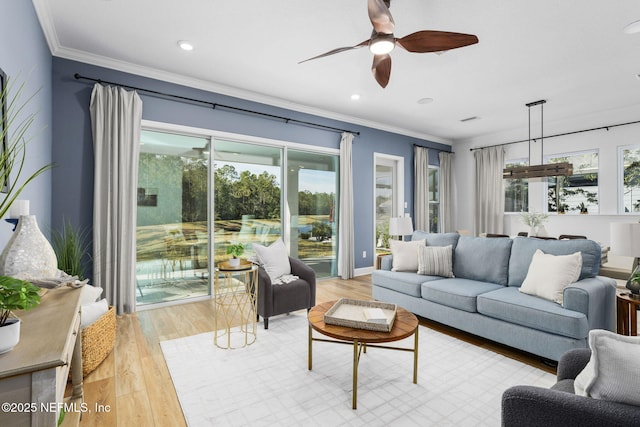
446, 192
421, 188
489, 209
115, 120
346, 262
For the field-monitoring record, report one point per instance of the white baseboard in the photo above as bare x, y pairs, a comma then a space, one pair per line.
363, 271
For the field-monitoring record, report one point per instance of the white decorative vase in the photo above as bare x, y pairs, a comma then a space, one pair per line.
234, 262
9, 335
542, 231
532, 231
28, 254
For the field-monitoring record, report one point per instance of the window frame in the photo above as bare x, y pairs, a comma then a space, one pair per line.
547, 159
522, 161
620, 178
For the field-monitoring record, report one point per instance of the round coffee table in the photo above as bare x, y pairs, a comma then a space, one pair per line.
405, 325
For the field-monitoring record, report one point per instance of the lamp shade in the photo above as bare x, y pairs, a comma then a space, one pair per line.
400, 226
625, 238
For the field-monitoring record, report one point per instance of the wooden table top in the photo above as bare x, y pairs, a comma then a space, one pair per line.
404, 326
626, 296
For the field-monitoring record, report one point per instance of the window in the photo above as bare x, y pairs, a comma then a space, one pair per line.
577, 193
516, 191
630, 160
434, 199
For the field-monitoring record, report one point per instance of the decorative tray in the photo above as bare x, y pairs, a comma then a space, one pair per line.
244, 265
352, 314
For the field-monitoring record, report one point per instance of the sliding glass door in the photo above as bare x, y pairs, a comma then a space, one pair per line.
247, 196
312, 200
172, 218
256, 192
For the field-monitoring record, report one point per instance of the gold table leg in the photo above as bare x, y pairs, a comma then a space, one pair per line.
415, 358
310, 347
355, 374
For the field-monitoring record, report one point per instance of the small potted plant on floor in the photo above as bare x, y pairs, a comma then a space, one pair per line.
15, 294
235, 250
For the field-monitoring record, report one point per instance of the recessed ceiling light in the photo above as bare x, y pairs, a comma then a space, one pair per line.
632, 28
355, 97
185, 45
425, 100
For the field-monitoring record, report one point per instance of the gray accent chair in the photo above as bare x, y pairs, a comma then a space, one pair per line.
286, 297
528, 406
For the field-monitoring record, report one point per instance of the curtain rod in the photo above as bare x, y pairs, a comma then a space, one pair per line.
559, 134
432, 148
215, 105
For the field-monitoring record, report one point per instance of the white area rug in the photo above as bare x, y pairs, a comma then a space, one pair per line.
268, 383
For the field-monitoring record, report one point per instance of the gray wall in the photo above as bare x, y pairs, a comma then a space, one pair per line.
25, 57
73, 179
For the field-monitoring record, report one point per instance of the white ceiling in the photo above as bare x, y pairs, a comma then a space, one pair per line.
573, 53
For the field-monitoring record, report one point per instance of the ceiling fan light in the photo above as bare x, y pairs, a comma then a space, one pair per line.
382, 46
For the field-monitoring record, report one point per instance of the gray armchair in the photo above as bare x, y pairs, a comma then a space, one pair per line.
286, 297
528, 406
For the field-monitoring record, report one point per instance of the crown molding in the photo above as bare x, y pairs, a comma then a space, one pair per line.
48, 28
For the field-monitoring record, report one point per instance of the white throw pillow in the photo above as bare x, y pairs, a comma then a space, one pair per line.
90, 294
92, 312
548, 275
435, 260
405, 254
274, 258
613, 372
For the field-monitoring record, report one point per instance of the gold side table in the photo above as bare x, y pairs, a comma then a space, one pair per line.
236, 302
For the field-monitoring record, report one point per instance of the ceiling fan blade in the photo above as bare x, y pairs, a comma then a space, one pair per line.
380, 17
435, 41
338, 50
381, 69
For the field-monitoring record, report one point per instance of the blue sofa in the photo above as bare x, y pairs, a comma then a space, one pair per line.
484, 298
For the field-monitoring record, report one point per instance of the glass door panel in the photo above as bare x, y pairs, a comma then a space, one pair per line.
385, 205
312, 200
172, 223
247, 200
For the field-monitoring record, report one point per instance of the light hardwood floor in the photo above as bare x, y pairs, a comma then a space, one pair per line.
133, 384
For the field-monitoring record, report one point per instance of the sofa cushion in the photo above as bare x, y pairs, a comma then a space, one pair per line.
549, 274
456, 293
479, 258
524, 248
405, 254
613, 371
403, 282
435, 261
511, 305
437, 239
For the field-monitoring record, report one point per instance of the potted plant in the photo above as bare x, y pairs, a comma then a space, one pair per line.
583, 208
235, 250
15, 294
533, 220
70, 245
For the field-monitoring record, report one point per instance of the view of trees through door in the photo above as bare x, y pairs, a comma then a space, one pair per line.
172, 218
256, 193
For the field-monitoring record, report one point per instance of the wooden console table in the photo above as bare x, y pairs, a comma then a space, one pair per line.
34, 374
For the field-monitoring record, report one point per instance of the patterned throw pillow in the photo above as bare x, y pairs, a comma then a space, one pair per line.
435, 261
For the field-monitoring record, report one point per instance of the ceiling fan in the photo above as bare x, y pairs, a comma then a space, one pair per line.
383, 41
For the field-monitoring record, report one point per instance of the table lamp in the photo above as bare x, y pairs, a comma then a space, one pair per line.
625, 240
400, 226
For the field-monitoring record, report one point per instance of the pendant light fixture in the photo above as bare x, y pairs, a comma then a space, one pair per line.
542, 170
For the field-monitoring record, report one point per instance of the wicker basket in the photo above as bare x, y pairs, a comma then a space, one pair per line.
98, 340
